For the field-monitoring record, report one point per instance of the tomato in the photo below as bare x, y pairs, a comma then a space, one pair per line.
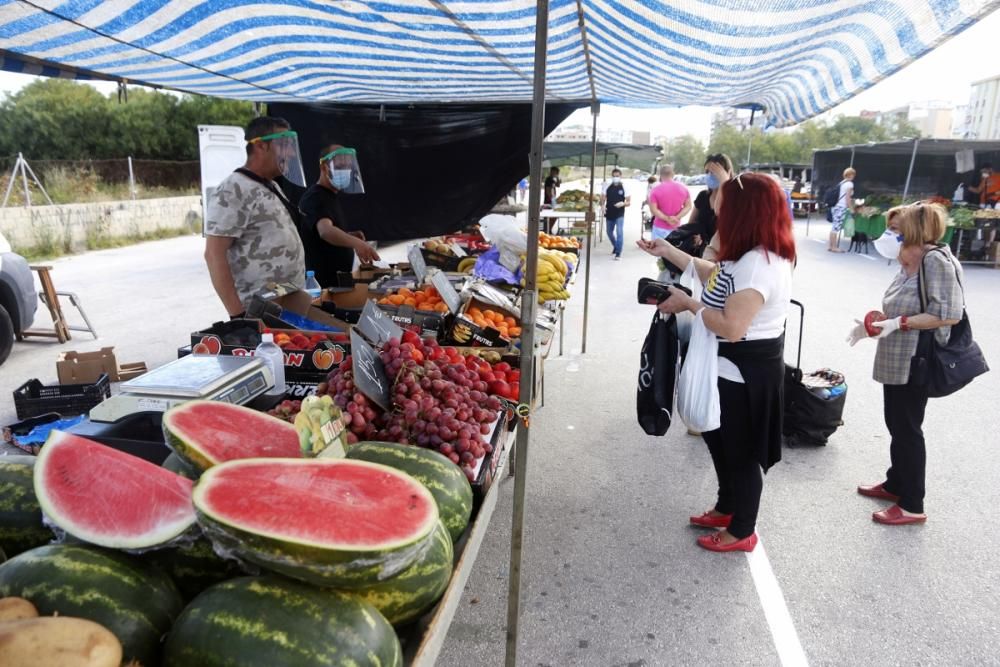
873, 316
411, 337
417, 355
500, 388
503, 367
500, 375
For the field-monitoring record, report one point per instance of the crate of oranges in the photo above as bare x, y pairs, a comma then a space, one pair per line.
552, 242
423, 308
481, 325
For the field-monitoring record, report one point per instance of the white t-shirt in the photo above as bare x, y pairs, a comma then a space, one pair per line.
767, 274
846, 192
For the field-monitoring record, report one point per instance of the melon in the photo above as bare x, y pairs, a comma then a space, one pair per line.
445, 480
175, 464
194, 567
109, 498
331, 522
206, 433
136, 602
413, 591
21, 526
271, 621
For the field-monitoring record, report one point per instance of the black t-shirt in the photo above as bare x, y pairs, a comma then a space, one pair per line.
323, 258
706, 216
614, 194
551, 183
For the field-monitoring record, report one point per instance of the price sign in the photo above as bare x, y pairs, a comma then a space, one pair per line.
447, 292
417, 262
376, 326
458, 250
369, 373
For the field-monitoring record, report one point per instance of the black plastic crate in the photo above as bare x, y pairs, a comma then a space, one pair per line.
33, 398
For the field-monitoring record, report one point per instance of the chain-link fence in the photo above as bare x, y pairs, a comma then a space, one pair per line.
83, 181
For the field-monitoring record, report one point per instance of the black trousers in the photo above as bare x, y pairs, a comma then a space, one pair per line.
736, 466
904, 408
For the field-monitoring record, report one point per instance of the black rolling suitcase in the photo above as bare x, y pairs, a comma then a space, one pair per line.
814, 403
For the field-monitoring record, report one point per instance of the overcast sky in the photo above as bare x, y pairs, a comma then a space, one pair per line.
944, 74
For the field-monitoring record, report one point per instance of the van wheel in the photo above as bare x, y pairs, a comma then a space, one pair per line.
6, 334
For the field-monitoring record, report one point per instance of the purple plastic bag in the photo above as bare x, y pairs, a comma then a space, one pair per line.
489, 268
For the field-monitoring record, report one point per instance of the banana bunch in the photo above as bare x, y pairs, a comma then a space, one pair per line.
465, 266
552, 272
568, 257
461, 332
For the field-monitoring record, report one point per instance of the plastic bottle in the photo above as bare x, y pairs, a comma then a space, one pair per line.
838, 390
275, 358
312, 286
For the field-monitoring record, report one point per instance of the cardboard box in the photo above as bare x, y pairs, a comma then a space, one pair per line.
491, 462
239, 338
85, 367
464, 331
445, 262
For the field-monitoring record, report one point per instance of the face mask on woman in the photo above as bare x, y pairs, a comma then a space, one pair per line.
888, 244
711, 181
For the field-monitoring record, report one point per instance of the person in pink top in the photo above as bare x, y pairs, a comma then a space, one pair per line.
669, 202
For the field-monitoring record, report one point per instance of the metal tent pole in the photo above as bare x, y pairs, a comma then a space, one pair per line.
24, 179
10, 183
852, 157
595, 109
529, 304
909, 174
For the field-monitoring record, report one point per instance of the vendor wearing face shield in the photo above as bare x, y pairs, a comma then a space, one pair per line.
251, 238
329, 246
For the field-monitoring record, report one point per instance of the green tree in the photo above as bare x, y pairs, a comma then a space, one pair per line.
686, 153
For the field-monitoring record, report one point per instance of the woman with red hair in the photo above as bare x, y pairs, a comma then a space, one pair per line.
745, 302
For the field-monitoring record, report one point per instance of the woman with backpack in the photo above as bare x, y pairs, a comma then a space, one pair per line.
838, 212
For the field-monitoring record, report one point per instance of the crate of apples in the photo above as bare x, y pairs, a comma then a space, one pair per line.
425, 300
488, 318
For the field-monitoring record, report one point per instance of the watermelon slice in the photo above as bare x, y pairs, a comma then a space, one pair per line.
206, 433
331, 522
109, 498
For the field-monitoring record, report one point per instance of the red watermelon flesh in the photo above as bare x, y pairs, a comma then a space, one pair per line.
110, 498
206, 433
336, 502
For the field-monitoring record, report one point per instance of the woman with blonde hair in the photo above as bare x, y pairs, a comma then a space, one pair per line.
913, 237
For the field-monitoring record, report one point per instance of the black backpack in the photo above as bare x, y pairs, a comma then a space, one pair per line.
832, 196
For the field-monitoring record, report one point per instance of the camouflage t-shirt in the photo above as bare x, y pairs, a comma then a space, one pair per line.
266, 246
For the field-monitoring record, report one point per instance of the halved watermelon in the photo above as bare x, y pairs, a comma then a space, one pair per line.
206, 433
109, 498
332, 522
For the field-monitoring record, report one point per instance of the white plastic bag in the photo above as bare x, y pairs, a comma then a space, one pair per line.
690, 280
506, 234
698, 387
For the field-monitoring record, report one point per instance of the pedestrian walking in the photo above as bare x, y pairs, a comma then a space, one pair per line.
522, 189
838, 213
615, 201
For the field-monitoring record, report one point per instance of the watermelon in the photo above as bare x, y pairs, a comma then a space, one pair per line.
206, 433
176, 464
445, 480
109, 498
21, 525
410, 593
194, 567
331, 522
272, 621
136, 602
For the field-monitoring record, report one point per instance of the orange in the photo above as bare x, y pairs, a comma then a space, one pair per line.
475, 312
515, 331
409, 301
510, 321
441, 307
497, 317
405, 291
396, 299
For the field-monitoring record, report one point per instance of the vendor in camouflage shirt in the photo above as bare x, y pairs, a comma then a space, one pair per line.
250, 237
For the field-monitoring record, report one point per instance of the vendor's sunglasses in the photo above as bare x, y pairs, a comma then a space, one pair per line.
276, 135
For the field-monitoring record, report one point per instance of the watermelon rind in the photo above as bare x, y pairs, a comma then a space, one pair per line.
136, 602
406, 596
192, 448
170, 529
194, 567
445, 480
325, 564
272, 622
21, 526
177, 465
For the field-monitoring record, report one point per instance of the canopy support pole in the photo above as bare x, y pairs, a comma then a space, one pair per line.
852, 157
595, 110
909, 174
529, 304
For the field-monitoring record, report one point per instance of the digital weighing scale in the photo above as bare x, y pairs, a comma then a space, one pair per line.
236, 380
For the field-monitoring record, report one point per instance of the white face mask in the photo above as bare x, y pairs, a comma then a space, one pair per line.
340, 178
616, 180
888, 244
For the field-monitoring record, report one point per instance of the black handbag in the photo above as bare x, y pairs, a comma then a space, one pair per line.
658, 375
944, 369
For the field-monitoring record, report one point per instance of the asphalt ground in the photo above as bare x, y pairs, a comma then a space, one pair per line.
611, 573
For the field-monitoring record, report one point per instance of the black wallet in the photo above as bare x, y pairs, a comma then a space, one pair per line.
654, 292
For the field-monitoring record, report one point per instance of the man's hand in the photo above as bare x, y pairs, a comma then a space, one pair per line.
366, 254
620, 204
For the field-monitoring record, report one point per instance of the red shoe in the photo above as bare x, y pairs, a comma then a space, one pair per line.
709, 520
894, 517
876, 491
713, 542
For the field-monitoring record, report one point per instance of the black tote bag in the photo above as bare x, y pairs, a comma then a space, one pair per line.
658, 375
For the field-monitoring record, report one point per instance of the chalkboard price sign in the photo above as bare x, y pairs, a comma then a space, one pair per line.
447, 292
376, 326
417, 263
369, 373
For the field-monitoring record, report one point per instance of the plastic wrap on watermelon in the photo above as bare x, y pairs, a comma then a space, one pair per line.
353, 572
62, 536
488, 268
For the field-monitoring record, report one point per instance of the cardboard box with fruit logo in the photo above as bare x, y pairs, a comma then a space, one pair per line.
484, 325
311, 352
422, 308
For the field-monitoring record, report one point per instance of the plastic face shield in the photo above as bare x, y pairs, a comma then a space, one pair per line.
342, 169
285, 146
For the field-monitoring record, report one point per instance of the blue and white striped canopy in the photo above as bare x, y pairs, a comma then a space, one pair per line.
792, 58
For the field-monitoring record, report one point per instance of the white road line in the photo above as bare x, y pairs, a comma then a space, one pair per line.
786, 640
819, 241
868, 257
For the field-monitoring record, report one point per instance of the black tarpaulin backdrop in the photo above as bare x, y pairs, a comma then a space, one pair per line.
428, 169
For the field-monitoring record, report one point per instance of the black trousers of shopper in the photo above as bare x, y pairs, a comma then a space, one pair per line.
736, 465
904, 409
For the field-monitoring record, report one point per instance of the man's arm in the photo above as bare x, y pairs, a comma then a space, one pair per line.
685, 209
334, 235
657, 213
216, 248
